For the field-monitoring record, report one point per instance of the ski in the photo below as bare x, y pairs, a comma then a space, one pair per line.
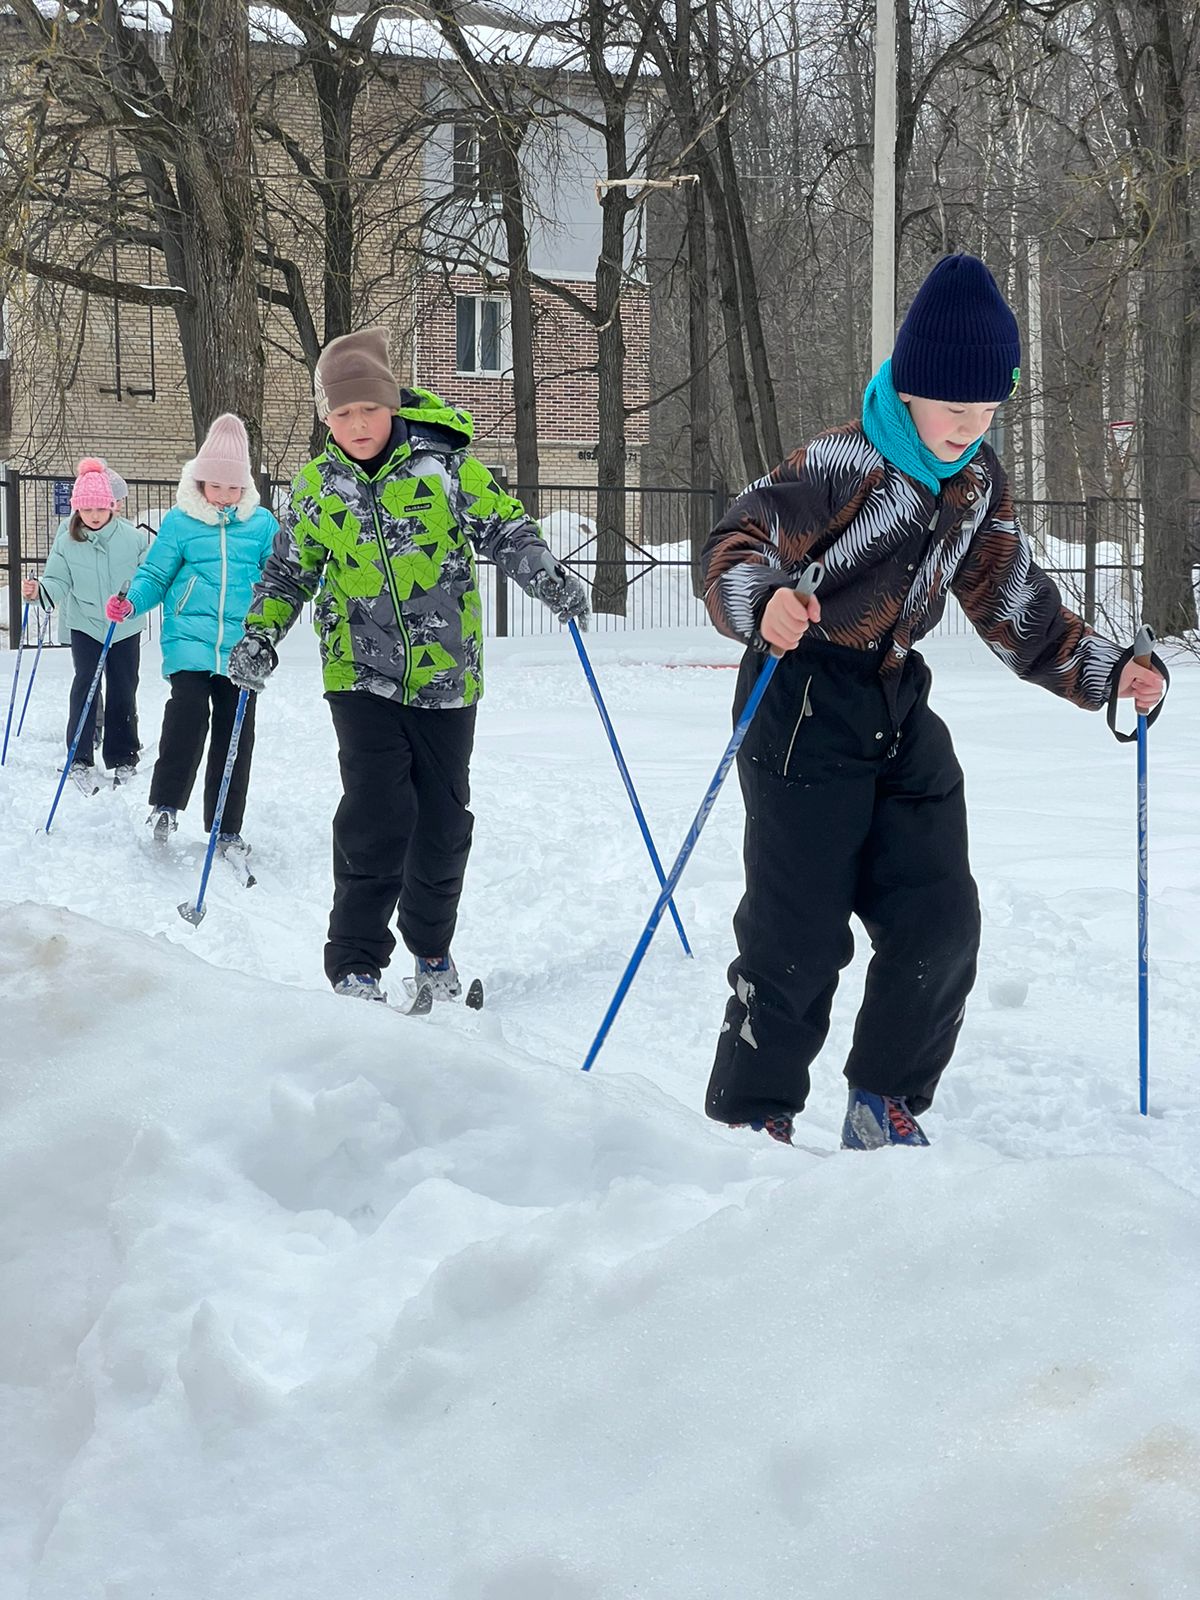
472, 997
420, 1005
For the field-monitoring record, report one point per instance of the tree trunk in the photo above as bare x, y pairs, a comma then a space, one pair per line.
610, 587
221, 334
750, 303
1151, 53
699, 386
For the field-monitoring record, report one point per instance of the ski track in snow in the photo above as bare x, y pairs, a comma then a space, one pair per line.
299, 1297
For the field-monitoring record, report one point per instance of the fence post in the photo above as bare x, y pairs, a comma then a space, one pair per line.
12, 529
501, 577
1091, 528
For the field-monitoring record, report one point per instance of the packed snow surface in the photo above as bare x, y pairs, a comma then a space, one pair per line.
302, 1299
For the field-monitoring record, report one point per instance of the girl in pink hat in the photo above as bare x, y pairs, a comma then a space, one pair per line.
209, 553
94, 552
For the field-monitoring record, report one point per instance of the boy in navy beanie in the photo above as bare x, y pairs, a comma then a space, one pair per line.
854, 797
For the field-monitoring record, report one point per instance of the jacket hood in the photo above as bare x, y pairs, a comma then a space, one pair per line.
420, 407
190, 500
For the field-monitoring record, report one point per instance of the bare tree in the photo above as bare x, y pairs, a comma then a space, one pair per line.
186, 128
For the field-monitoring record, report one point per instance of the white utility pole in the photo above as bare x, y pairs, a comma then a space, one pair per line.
1037, 413
883, 209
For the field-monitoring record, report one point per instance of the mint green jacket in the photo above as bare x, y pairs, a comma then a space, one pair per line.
80, 575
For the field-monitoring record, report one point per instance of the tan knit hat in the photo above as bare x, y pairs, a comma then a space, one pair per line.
353, 370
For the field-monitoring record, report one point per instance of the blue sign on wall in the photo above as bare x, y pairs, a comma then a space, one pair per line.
62, 496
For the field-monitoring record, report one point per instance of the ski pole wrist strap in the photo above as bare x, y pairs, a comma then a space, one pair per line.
1125, 658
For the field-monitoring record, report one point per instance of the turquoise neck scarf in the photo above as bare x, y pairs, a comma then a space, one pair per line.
888, 425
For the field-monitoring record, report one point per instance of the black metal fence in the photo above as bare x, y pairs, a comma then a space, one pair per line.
641, 568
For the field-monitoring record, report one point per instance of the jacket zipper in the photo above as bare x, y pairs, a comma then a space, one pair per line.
224, 523
186, 595
805, 711
390, 578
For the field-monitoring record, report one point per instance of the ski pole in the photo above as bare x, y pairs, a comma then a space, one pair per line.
43, 630
83, 716
12, 699
625, 776
806, 588
195, 913
1141, 654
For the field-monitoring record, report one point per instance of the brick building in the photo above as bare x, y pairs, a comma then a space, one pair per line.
88, 375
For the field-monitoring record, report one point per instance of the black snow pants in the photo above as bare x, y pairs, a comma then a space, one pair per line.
120, 736
854, 807
181, 745
402, 832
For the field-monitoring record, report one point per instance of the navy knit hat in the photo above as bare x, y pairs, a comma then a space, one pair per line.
959, 340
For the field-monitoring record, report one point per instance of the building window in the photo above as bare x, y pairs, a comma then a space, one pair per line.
476, 170
482, 334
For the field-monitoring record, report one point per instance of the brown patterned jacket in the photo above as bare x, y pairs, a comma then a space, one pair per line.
891, 550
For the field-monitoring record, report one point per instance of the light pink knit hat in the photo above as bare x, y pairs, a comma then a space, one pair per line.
224, 457
92, 490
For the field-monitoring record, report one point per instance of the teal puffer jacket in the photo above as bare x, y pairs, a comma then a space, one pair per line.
202, 569
80, 574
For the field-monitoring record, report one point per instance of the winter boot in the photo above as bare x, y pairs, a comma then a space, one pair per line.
360, 986
441, 976
874, 1120
162, 820
84, 778
780, 1128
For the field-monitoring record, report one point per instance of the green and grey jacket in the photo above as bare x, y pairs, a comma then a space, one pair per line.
389, 561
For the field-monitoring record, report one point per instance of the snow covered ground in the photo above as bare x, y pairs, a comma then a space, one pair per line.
298, 1299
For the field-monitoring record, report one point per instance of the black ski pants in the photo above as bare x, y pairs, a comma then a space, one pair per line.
119, 742
195, 697
854, 807
402, 832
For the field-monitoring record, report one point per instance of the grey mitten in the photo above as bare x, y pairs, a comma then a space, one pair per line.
252, 661
563, 592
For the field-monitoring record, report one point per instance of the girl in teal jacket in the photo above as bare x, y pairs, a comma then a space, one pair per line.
95, 552
209, 554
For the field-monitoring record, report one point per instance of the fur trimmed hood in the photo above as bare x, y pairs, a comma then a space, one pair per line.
188, 498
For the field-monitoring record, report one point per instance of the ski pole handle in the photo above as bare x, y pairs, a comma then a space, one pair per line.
806, 587
1142, 646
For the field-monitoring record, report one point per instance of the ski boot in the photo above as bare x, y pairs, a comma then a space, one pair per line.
162, 821
360, 986
123, 774
440, 975
84, 778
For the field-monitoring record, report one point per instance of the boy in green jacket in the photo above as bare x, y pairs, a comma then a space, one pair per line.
380, 532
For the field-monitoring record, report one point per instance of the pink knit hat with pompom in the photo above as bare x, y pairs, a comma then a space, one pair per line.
224, 457
93, 489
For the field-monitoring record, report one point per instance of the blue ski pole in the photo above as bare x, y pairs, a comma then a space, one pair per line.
625, 776
43, 630
195, 913
83, 716
12, 699
1141, 654
806, 588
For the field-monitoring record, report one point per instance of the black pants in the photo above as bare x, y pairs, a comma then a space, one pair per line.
844, 817
402, 833
119, 743
181, 744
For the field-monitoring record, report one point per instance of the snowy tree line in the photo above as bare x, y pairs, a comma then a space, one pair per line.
277, 157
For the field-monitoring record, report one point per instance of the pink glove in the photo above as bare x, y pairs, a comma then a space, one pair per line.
118, 609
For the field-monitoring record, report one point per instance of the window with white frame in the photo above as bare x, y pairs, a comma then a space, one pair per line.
482, 334
475, 171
